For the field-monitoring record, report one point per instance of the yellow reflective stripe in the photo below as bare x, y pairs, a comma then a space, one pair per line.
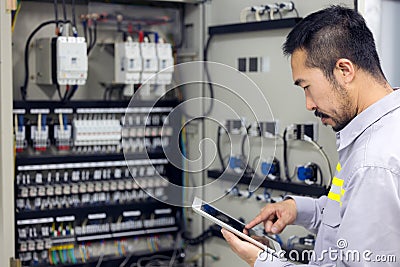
338, 182
334, 196
338, 167
342, 192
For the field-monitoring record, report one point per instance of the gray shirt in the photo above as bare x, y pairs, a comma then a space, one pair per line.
358, 223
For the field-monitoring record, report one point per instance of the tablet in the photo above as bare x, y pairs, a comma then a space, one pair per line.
231, 224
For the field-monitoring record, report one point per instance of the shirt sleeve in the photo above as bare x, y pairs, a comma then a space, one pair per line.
309, 212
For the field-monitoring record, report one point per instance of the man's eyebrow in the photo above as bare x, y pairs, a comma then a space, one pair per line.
298, 82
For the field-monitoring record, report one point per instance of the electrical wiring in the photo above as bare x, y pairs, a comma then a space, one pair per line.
24, 88
254, 163
139, 262
285, 160
55, 5
210, 86
316, 145
72, 253
297, 12
321, 150
244, 13
74, 28
245, 136
15, 15
280, 13
194, 241
126, 260
92, 34
81, 252
259, 11
50, 258
197, 257
149, 245
271, 13
84, 27
221, 160
54, 255
321, 181
184, 173
64, 10
99, 262
182, 29
177, 243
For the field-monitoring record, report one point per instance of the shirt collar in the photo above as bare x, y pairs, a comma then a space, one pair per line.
366, 118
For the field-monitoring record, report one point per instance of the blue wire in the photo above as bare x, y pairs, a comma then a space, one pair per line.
20, 122
156, 37
119, 248
65, 121
65, 254
73, 255
44, 118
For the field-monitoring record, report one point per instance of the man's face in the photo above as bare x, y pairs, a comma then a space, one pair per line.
330, 102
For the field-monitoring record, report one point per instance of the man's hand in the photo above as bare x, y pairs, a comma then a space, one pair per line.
275, 216
245, 250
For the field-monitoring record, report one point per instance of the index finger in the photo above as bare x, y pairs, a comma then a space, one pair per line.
265, 214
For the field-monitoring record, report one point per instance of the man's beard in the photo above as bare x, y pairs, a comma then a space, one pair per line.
340, 122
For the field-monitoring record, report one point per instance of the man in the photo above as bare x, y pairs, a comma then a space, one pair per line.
334, 59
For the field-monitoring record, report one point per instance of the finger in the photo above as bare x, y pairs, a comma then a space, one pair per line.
268, 225
278, 226
264, 214
229, 237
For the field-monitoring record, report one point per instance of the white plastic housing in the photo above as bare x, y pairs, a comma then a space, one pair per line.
150, 62
72, 61
165, 63
96, 132
127, 63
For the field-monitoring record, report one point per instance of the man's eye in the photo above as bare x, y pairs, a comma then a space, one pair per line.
306, 87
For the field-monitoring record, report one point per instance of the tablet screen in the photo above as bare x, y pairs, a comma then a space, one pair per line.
223, 217
236, 225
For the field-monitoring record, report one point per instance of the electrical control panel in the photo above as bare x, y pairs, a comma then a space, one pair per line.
106, 127
78, 200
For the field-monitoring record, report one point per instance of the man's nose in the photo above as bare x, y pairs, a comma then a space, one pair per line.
310, 105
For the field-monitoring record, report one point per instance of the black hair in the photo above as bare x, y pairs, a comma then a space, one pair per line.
333, 33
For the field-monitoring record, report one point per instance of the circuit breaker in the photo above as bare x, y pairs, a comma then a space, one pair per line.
128, 63
72, 61
61, 60
150, 62
165, 63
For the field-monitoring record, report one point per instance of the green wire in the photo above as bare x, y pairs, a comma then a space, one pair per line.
54, 256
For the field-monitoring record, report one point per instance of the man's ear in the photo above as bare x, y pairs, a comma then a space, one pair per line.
344, 70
